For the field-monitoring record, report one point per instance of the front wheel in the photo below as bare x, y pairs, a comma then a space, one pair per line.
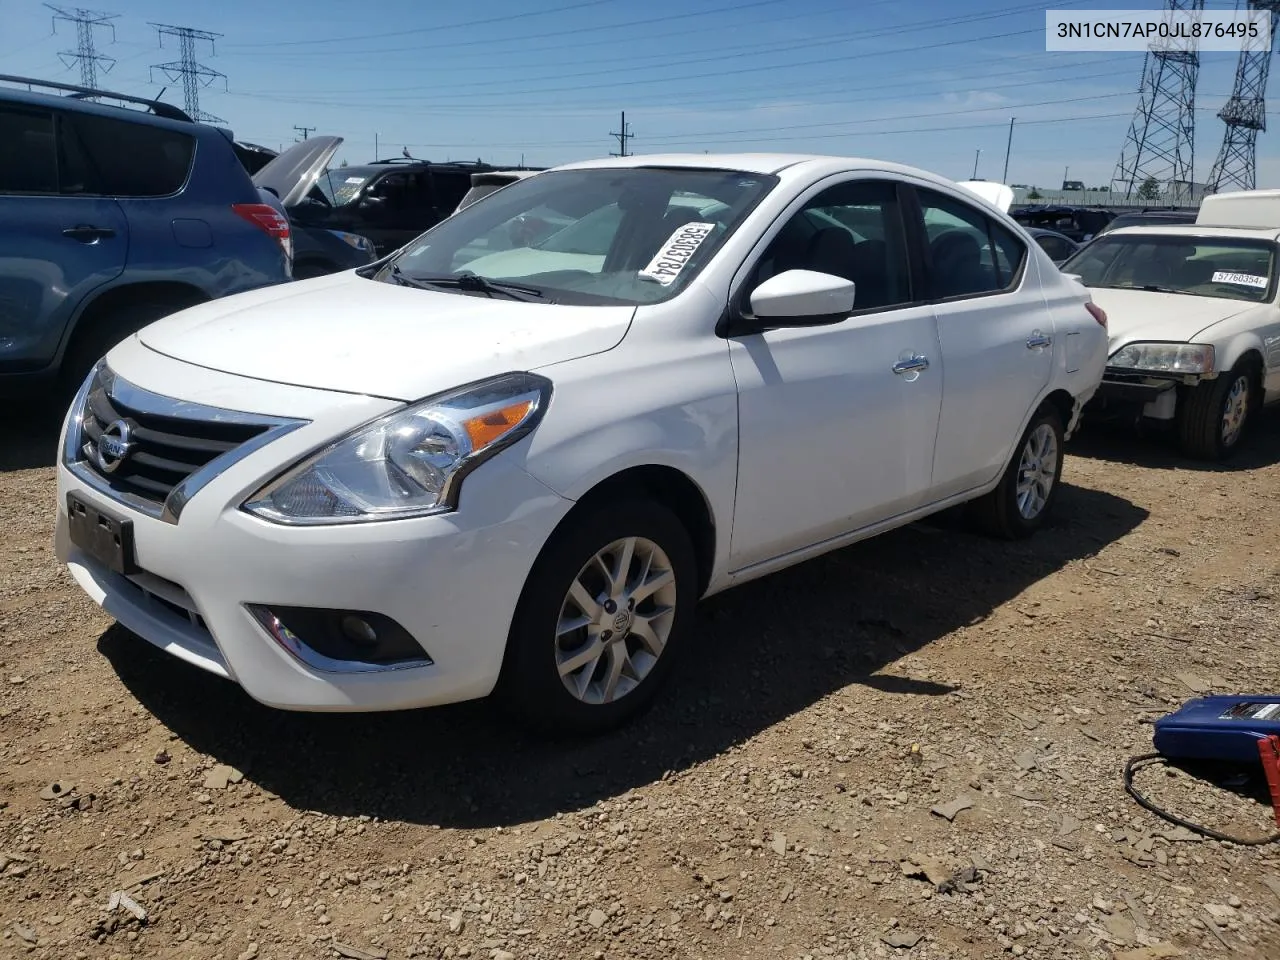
1212, 415
1022, 501
601, 618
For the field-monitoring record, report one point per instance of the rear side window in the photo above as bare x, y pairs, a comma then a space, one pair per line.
133, 159
28, 152
450, 188
969, 253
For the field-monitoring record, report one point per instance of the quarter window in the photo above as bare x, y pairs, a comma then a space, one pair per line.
854, 231
28, 152
969, 253
134, 159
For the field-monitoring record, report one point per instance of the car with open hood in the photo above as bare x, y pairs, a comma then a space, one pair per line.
388, 201
290, 176
1194, 320
473, 469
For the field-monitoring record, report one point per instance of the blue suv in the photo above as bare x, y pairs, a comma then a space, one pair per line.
112, 217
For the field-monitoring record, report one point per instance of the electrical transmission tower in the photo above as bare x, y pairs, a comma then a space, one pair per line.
193, 73
85, 54
1245, 113
1162, 135
622, 137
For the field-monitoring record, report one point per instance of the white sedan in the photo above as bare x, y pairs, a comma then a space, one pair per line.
1194, 320
419, 482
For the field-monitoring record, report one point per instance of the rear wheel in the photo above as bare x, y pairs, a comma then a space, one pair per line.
1212, 415
1022, 501
601, 619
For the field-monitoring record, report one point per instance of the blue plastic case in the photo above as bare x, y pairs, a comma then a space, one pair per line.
1219, 728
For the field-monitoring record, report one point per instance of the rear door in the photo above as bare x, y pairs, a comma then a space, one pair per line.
59, 239
995, 334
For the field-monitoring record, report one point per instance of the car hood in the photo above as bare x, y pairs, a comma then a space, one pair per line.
349, 334
291, 175
1134, 315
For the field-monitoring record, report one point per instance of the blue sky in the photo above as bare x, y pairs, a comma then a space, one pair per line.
927, 83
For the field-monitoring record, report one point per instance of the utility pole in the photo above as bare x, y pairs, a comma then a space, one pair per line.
304, 131
375, 145
194, 74
975, 164
85, 54
1007, 150
622, 137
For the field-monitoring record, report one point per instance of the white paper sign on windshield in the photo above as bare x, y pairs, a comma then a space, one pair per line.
676, 253
1244, 279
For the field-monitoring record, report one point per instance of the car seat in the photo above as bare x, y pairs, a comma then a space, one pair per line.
957, 264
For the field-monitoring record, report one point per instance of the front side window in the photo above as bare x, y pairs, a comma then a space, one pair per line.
1055, 247
133, 159
1165, 263
608, 236
852, 230
969, 253
28, 152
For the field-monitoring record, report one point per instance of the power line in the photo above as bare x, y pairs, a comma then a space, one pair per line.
85, 54
804, 47
434, 28
194, 74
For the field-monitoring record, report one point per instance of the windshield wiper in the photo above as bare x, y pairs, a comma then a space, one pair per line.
399, 276
466, 280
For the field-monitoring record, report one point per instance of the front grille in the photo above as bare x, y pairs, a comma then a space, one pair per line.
164, 450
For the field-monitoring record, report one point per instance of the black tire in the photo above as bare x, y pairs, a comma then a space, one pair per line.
97, 334
530, 685
311, 269
998, 513
1202, 411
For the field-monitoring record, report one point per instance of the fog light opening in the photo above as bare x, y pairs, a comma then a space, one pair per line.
358, 630
341, 640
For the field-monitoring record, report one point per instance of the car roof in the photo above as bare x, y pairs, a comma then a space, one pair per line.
816, 165
78, 105
1197, 230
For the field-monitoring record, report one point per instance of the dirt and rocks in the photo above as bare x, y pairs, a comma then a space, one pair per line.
911, 748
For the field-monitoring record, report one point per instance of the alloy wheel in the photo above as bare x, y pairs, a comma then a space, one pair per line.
1037, 471
1235, 410
615, 621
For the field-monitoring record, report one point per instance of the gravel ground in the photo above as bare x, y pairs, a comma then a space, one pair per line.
910, 748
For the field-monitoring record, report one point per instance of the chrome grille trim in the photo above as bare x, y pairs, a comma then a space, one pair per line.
166, 505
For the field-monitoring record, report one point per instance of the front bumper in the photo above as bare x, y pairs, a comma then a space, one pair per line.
452, 580
1133, 396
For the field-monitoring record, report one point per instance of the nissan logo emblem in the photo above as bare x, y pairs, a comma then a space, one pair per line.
114, 446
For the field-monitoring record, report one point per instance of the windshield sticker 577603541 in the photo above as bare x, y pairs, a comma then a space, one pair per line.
1244, 279
676, 253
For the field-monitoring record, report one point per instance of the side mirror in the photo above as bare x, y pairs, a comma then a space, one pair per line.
802, 298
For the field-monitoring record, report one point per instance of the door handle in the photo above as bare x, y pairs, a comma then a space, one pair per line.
1038, 339
86, 233
916, 362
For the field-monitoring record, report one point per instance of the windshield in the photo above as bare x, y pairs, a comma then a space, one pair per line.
340, 185
607, 236
1196, 266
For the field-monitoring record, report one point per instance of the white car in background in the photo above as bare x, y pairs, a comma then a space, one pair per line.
419, 483
1194, 320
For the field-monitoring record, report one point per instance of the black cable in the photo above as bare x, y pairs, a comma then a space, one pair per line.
1131, 767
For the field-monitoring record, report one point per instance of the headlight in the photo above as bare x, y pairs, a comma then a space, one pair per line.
409, 463
1164, 357
363, 244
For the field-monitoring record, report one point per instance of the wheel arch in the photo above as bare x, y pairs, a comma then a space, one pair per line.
674, 489
179, 295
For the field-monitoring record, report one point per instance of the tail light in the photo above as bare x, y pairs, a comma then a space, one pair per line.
271, 221
1098, 314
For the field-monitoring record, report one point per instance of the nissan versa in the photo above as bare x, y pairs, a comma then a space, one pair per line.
506, 460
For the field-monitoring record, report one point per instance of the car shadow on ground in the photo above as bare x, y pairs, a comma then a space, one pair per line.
1156, 448
761, 653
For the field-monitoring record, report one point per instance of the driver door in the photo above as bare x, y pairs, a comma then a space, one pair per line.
837, 423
